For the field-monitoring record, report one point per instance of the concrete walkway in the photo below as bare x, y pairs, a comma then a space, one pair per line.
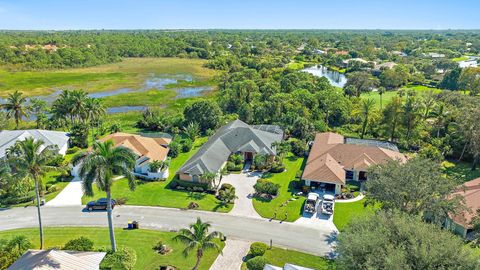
244, 190
71, 195
356, 199
232, 255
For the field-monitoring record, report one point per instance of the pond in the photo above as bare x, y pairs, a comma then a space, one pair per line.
334, 77
154, 82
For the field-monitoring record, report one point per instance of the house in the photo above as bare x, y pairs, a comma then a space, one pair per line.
287, 266
461, 223
468, 63
235, 137
58, 259
147, 149
55, 138
334, 159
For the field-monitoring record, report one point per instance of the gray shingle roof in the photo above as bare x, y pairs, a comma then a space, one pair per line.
234, 137
58, 259
10, 137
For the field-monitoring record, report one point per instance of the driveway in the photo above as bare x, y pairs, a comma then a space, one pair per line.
244, 190
232, 255
314, 240
318, 219
71, 195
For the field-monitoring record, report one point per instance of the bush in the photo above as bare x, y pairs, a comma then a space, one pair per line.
258, 249
56, 161
226, 186
51, 188
266, 187
256, 263
72, 150
187, 145
277, 167
187, 184
234, 168
115, 127
123, 259
174, 149
299, 173
79, 244
237, 159
299, 148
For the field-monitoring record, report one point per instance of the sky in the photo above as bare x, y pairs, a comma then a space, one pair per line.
238, 14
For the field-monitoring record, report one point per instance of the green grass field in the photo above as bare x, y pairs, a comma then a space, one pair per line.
461, 171
280, 256
157, 193
344, 212
142, 241
285, 179
387, 96
130, 72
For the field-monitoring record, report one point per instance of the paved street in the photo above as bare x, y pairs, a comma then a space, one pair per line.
315, 240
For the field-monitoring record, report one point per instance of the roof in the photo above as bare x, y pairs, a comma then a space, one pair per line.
332, 154
152, 148
58, 259
234, 137
470, 191
49, 137
287, 266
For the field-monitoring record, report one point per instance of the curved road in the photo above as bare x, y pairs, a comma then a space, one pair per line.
314, 240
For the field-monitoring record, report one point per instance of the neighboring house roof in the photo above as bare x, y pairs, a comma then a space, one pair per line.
470, 191
287, 266
10, 137
58, 259
152, 148
234, 137
332, 154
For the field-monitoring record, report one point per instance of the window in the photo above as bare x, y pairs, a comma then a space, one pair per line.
349, 175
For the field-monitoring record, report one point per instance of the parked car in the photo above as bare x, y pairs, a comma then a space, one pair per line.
327, 204
311, 203
100, 204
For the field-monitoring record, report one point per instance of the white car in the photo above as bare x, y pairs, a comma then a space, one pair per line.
327, 204
311, 203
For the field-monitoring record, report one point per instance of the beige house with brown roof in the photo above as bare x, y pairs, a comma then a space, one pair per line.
462, 223
147, 149
334, 159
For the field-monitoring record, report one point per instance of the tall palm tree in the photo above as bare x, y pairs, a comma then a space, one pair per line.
30, 160
99, 166
392, 115
366, 109
192, 130
197, 238
15, 107
381, 91
92, 111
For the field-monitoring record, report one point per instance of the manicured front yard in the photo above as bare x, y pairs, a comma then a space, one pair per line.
344, 212
279, 257
157, 193
142, 241
286, 192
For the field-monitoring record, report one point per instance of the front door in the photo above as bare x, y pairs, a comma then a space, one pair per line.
248, 156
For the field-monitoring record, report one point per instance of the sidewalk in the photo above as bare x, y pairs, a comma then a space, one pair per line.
232, 257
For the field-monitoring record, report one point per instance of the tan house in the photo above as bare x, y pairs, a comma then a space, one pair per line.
147, 149
462, 223
334, 159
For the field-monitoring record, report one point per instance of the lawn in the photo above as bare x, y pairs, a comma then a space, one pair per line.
388, 95
279, 257
157, 193
344, 212
286, 180
460, 59
131, 72
142, 241
461, 171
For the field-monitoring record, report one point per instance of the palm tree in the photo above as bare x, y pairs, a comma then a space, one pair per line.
392, 115
30, 159
15, 107
366, 109
209, 177
92, 111
197, 237
381, 91
192, 130
99, 166
441, 115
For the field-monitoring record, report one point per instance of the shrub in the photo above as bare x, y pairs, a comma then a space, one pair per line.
237, 159
56, 161
115, 127
299, 148
266, 187
234, 168
277, 167
162, 248
79, 244
123, 259
72, 150
174, 149
258, 249
187, 184
256, 263
226, 186
260, 161
299, 173
51, 188
187, 145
